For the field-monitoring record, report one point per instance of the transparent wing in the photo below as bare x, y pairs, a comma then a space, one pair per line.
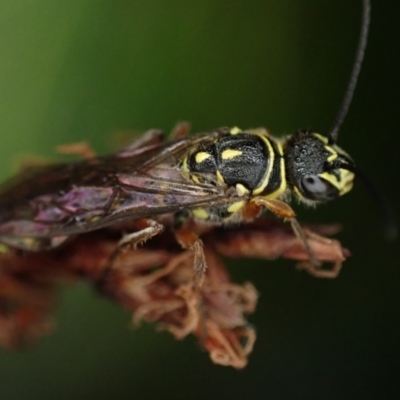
68, 199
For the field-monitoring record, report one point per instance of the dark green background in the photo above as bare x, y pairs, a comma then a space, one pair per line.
81, 70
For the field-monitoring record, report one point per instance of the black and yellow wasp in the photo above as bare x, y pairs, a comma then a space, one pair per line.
218, 177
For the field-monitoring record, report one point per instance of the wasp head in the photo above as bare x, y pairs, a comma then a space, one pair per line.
315, 169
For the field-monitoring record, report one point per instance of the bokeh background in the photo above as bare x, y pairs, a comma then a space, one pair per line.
84, 70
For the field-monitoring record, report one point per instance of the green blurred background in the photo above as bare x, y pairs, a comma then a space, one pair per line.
83, 70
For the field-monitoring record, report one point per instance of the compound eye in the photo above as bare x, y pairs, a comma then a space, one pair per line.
316, 188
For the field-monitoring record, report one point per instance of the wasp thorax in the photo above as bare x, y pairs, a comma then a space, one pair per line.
235, 159
316, 170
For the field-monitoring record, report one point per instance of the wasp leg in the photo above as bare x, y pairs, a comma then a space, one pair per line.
316, 236
184, 297
317, 272
189, 240
283, 210
147, 229
80, 149
180, 130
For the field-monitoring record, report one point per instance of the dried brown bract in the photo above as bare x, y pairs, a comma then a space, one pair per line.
156, 282
270, 239
27, 297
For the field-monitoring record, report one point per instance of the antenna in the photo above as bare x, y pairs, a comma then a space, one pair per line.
387, 215
384, 208
348, 96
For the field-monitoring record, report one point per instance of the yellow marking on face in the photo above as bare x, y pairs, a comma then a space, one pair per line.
297, 192
201, 156
332, 179
200, 213
323, 139
235, 130
343, 184
333, 156
230, 153
241, 190
220, 178
235, 207
346, 188
347, 180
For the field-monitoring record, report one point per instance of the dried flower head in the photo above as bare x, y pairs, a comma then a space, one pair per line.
156, 282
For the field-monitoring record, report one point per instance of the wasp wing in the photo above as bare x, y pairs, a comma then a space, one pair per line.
68, 199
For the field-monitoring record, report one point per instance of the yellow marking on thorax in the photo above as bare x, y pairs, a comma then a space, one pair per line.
241, 190
230, 153
185, 167
282, 187
220, 177
29, 242
271, 160
195, 179
237, 206
201, 156
200, 213
4, 248
235, 130
268, 172
96, 217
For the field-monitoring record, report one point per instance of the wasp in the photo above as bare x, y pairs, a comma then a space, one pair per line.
219, 177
